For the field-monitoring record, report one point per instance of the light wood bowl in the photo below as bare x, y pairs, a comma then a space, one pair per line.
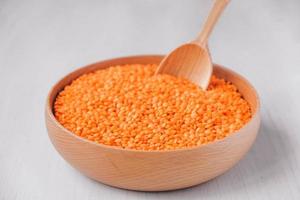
152, 170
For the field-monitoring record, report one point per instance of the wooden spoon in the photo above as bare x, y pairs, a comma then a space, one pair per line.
192, 60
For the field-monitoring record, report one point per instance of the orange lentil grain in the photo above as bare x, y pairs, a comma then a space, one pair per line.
126, 106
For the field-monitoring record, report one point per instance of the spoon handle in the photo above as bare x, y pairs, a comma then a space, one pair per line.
211, 20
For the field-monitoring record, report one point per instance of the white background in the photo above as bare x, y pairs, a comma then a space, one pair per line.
42, 40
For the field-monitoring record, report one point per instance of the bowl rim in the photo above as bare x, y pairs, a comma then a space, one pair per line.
49, 109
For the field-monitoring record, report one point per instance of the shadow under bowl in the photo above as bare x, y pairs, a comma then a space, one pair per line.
152, 170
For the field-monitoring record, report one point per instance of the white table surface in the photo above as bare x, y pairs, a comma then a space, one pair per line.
42, 40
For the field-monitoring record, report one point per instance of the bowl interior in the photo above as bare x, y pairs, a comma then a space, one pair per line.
244, 87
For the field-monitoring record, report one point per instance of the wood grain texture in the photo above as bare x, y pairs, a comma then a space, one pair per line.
152, 170
41, 41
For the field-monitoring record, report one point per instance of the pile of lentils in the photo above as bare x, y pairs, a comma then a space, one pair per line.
129, 107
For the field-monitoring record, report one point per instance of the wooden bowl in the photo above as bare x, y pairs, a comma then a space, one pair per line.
152, 170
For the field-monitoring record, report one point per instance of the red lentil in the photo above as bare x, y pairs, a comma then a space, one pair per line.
128, 107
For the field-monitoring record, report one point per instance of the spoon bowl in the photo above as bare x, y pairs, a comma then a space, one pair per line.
180, 61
